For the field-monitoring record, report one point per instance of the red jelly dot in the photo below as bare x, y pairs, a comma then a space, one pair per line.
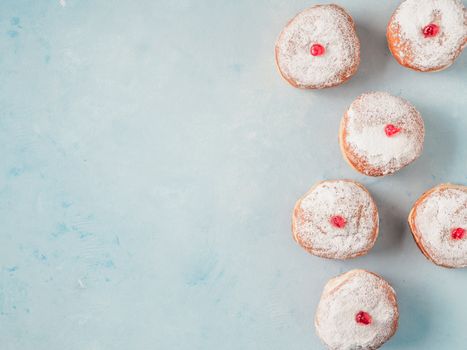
338, 221
430, 30
317, 50
363, 318
458, 233
391, 130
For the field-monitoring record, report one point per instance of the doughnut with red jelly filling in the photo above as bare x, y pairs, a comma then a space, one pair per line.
357, 310
318, 48
438, 221
380, 134
336, 219
427, 35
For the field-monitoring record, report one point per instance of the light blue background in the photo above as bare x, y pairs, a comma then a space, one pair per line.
150, 159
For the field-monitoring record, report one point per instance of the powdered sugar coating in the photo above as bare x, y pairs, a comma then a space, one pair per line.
443, 209
410, 45
329, 26
313, 229
346, 295
363, 138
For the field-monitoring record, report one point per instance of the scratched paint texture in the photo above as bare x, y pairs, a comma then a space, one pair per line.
150, 160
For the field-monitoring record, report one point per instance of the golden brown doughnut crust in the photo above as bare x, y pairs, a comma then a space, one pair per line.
351, 158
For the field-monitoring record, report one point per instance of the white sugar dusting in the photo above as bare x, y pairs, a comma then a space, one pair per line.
442, 211
367, 118
332, 198
329, 26
346, 295
433, 52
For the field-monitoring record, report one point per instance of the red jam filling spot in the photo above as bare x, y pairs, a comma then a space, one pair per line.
338, 221
391, 130
317, 50
363, 318
430, 30
458, 233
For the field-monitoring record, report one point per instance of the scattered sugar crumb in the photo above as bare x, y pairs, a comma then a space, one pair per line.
81, 284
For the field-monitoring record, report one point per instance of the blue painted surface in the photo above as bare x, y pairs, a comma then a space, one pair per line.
151, 157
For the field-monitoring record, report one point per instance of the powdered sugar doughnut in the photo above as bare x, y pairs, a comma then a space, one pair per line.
381, 133
438, 221
318, 48
357, 310
428, 35
336, 219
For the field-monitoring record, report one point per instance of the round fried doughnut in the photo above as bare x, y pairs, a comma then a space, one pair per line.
318, 48
427, 35
336, 219
357, 310
438, 221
